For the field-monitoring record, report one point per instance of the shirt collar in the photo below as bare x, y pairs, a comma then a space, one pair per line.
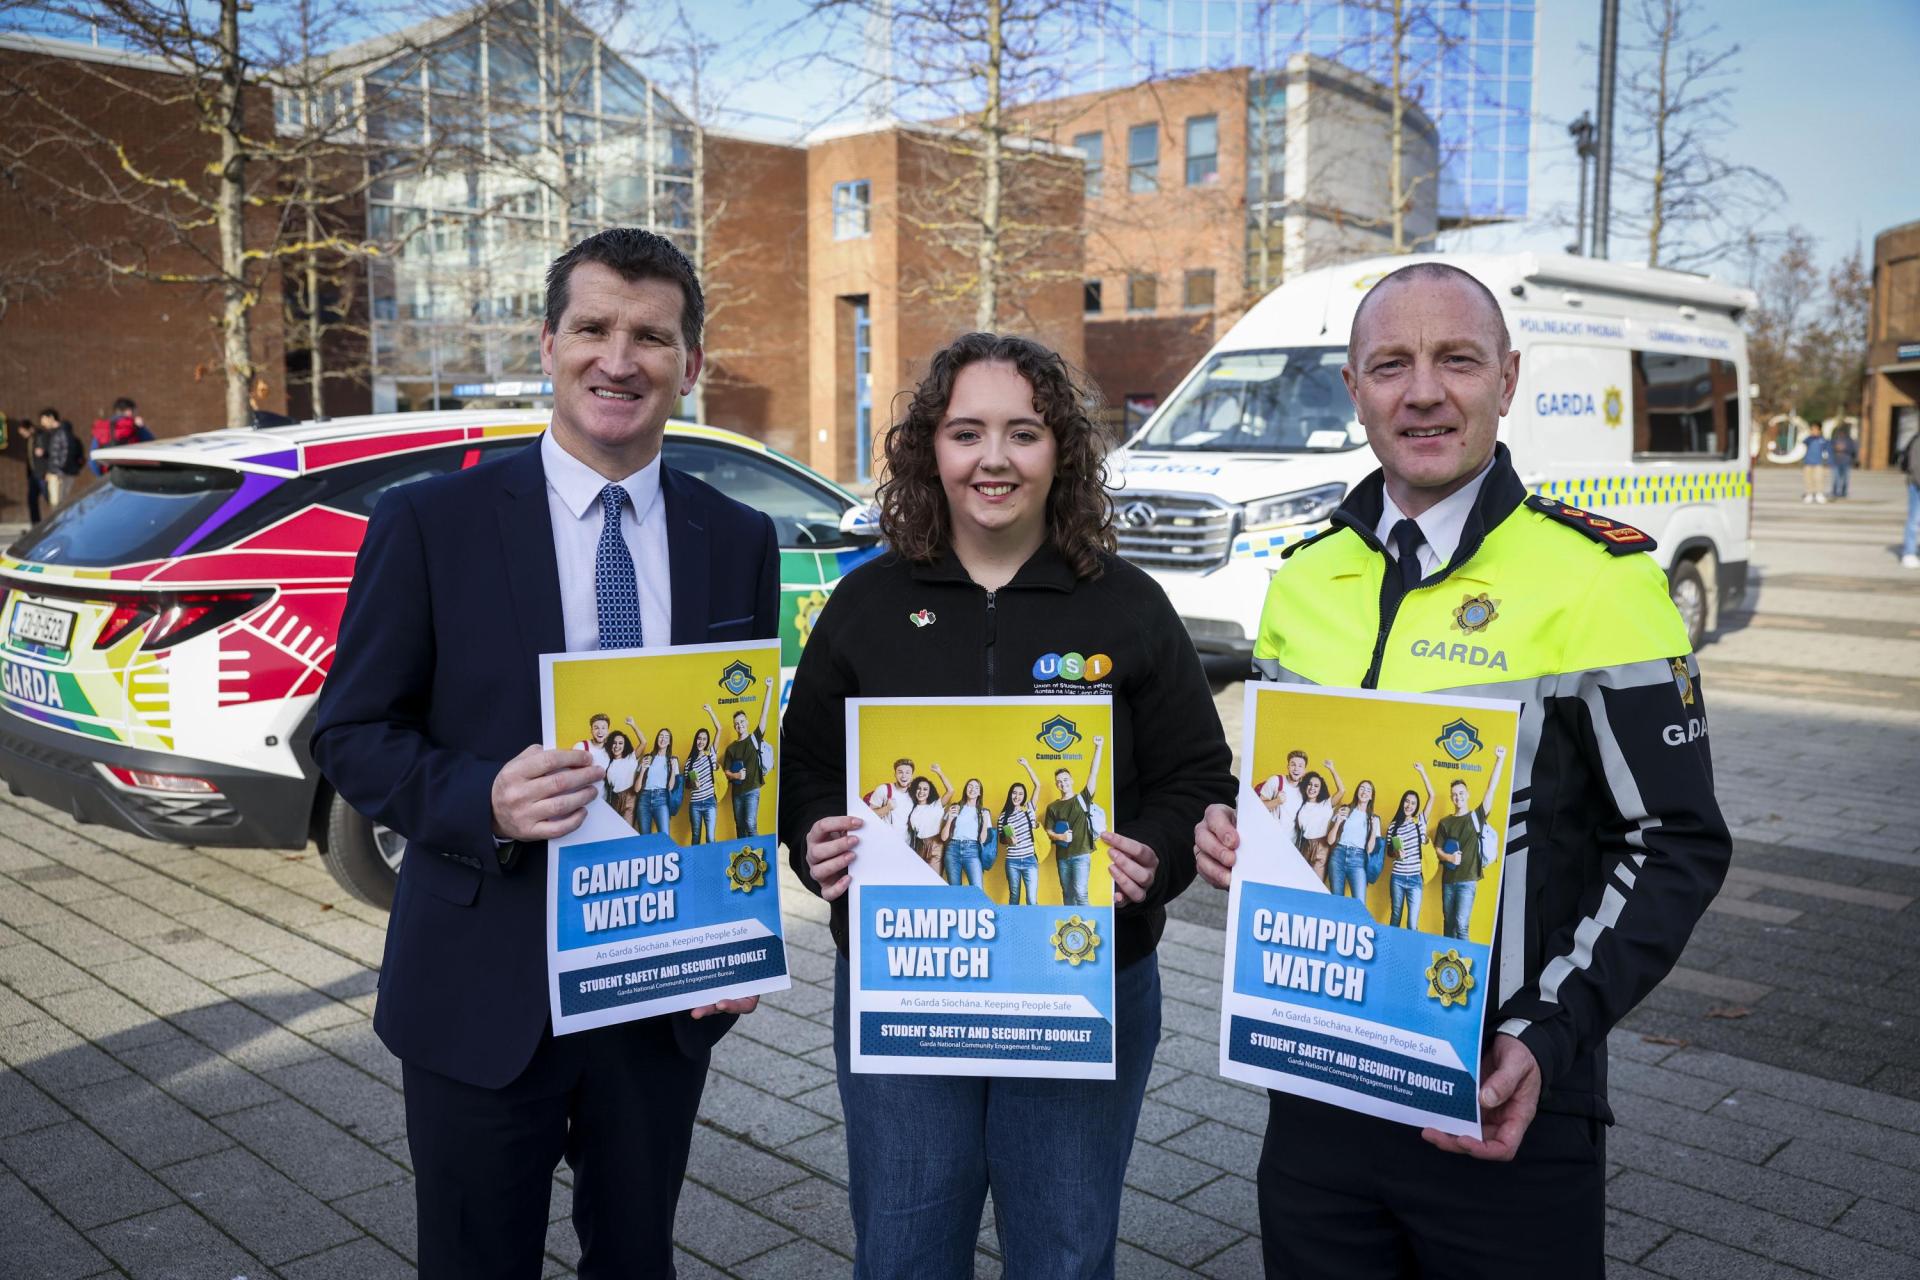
579, 485
1442, 523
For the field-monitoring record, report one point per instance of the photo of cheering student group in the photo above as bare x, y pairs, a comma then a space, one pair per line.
1421, 968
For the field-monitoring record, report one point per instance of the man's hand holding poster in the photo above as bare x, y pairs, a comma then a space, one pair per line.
1364, 899
666, 896
981, 904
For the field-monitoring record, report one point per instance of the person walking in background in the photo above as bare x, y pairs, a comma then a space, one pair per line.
122, 425
1910, 545
64, 456
1815, 465
1846, 451
26, 441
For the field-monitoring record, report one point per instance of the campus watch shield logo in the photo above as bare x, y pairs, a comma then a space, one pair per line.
1058, 734
737, 678
1458, 739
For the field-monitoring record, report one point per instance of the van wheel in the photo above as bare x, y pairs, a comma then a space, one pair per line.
1689, 592
363, 856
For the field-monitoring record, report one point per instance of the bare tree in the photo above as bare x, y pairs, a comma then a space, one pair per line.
1696, 204
1788, 287
988, 208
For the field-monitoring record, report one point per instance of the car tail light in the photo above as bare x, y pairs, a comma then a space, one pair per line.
193, 613
173, 783
174, 617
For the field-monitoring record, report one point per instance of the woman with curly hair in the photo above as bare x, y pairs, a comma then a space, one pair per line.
999, 525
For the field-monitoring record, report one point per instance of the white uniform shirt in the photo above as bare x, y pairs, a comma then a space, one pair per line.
1441, 524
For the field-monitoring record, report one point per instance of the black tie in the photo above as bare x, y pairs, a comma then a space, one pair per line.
1406, 537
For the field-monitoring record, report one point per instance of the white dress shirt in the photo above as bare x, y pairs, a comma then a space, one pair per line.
1440, 524
573, 504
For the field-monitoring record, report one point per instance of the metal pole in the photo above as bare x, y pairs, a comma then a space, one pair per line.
1581, 131
1603, 174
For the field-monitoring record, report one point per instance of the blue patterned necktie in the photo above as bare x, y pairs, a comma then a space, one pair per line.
614, 587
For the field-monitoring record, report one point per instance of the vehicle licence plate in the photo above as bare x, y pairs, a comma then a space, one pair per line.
42, 626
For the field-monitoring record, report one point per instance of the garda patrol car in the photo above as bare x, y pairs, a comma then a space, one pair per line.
163, 639
1632, 403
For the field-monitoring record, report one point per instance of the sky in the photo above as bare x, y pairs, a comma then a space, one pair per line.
1827, 101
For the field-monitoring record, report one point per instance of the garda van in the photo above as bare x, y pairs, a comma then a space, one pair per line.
1631, 403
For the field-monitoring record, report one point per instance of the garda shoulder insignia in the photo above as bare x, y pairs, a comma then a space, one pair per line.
1619, 539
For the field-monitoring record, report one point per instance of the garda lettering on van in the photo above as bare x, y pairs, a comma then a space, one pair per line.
30, 684
1576, 404
1472, 655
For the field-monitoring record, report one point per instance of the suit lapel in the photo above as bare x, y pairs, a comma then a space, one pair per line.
688, 562
533, 575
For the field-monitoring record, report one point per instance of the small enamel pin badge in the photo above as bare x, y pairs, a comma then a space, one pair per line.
924, 618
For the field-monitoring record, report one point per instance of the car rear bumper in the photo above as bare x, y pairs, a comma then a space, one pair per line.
250, 809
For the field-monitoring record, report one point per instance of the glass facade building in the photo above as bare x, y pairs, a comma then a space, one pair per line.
1468, 63
493, 145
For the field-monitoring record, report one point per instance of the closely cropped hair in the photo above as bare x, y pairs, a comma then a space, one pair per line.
913, 507
636, 255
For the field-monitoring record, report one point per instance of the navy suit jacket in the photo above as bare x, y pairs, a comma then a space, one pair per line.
436, 684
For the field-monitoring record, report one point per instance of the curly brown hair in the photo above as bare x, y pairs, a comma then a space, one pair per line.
913, 507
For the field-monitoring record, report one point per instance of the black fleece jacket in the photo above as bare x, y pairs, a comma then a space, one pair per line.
1169, 755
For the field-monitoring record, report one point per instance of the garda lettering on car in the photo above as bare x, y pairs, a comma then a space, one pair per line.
1472, 655
31, 684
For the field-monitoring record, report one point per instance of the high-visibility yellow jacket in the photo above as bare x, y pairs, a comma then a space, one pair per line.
1616, 843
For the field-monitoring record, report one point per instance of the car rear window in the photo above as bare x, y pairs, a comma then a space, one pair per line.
136, 513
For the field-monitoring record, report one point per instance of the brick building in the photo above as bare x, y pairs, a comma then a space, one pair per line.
74, 334
1892, 416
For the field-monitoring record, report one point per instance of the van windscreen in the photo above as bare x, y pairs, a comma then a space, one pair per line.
1283, 401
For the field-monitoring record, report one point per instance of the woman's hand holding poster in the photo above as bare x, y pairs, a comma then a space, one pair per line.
1372, 829
665, 897
981, 922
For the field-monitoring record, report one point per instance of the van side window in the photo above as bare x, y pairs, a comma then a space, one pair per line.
1685, 406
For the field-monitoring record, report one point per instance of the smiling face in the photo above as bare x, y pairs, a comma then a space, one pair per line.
1458, 791
903, 774
619, 364
996, 460
1296, 767
1312, 789
1064, 781
1363, 794
598, 728
1017, 795
701, 741
922, 791
1430, 377
740, 723
1409, 805
973, 792
662, 741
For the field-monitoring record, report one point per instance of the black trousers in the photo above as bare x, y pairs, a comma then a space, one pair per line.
1359, 1198
617, 1104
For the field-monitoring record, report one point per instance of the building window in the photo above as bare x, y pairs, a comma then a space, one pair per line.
1143, 293
862, 388
852, 210
1143, 158
1199, 295
1092, 303
1203, 150
1094, 147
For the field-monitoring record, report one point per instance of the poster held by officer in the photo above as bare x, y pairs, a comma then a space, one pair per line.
665, 897
1364, 899
981, 908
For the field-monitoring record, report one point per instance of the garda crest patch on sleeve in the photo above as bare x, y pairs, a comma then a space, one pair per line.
1619, 539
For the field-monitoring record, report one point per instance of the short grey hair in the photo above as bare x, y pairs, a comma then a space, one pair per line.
1437, 271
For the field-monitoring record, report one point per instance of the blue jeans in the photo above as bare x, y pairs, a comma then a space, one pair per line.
1456, 904
922, 1152
1911, 546
963, 862
746, 813
653, 814
1406, 900
1023, 872
1074, 872
1348, 870
705, 817
1842, 473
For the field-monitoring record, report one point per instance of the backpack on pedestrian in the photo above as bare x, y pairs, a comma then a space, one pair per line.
63, 451
119, 429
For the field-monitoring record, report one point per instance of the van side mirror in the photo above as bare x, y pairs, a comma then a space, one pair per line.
861, 523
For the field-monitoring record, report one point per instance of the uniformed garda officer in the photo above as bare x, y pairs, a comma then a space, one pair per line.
1440, 574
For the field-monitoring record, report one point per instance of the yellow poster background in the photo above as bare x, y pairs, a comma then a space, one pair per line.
1377, 740
986, 741
672, 691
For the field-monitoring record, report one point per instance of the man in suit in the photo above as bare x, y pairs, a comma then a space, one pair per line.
430, 722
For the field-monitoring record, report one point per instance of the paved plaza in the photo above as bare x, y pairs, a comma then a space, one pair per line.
190, 1085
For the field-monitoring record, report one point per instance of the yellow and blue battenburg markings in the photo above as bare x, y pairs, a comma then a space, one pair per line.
1262, 544
1647, 488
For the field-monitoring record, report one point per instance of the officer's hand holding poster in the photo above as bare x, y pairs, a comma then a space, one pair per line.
664, 898
1364, 899
981, 922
